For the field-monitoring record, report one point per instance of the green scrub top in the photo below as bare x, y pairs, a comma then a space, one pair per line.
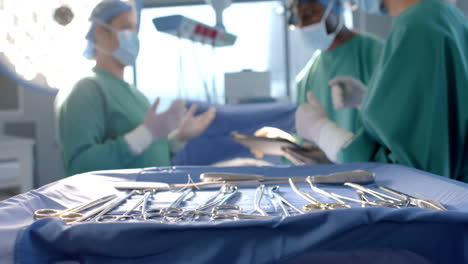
358, 58
94, 117
416, 112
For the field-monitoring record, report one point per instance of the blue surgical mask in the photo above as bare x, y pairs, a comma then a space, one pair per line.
372, 7
129, 46
315, 36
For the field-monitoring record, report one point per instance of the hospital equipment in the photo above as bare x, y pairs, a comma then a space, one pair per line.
357, 176
111, 206
274, 192
71, 214
315, 204
421, 203
127, 215
186, 28
258, 199
233, 212
382, 199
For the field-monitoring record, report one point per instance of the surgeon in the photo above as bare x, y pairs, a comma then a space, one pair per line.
339, 52
414, 111
104, 122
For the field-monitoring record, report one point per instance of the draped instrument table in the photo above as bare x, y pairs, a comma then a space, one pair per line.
437, 236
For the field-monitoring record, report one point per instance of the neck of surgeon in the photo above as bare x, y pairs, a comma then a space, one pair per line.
110, 65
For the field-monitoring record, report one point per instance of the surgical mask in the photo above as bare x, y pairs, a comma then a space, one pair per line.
372, 7
315, 36
129, 46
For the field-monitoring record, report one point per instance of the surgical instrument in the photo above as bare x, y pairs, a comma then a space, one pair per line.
421, 203
274, 192
258, 200
71, 214
127, 215
112, 205
233, 212
162, 186
315, 204
173, 213
383, 200
358, 176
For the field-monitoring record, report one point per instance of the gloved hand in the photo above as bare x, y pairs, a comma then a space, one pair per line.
308, 155
347, 92
160, 125
313, 123
310, 118
192, 126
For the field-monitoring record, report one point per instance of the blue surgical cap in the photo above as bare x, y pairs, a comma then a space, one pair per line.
337, 6
104, 12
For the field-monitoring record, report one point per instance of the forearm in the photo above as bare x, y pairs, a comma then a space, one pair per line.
113, 153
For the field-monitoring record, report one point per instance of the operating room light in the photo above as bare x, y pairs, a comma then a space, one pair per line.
37, 44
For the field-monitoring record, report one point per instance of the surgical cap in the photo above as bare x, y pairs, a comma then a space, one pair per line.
337, 6
104, 12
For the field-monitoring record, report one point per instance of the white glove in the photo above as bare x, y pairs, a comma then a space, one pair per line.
155, 126
192, 126
312, 123
160, 125
347, 92
310, 118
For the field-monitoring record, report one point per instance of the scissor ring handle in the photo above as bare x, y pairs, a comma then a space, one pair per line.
226, 208
106, 218
312, 207
337, 206
43, 213
70, 217
124, 217
172, 212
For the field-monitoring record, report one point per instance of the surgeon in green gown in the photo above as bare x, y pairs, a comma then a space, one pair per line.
104, 122
339, 52
414, 111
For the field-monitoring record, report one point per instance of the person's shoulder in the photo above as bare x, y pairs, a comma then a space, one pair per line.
85, 89
370, 39
428, 18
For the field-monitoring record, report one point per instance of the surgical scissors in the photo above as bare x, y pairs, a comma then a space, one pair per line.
274, 192
173, 213
421, 203
100, 217
383, 200
315, 204
233, 212
71, 214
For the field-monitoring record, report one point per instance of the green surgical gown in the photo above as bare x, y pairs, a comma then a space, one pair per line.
416, 110
358, 58
94, 117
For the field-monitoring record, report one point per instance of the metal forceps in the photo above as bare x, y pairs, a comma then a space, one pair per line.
233, 212
383, 200
173, 213
337, 197
421, 203
226, 192
101, 216
315, 204
71, 214
283, 203
258, 199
